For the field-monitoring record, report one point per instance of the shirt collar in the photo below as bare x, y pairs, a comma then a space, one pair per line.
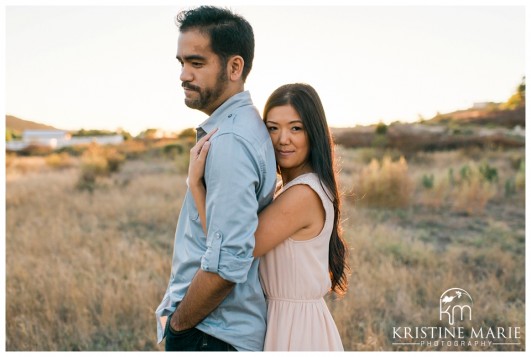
225, 110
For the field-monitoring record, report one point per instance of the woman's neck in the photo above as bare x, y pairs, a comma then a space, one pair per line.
292, 173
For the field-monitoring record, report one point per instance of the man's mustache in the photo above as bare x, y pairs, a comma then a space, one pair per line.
187, 85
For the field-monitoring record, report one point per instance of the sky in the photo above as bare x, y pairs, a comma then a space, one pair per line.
109, 67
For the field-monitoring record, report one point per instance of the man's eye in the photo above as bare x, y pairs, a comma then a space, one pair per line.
197, 64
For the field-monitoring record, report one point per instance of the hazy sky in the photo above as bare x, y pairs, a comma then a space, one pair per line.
104, 67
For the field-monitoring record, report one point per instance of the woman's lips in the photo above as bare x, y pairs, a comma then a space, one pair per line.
285, 152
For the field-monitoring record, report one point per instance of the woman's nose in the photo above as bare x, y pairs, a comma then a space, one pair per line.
283, 137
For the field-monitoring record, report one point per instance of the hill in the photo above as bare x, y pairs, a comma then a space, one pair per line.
491, 117
479, 128
18, 125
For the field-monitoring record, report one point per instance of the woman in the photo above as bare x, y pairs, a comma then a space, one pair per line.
298, 235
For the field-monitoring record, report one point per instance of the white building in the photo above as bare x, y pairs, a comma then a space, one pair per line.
57, 139
50, 138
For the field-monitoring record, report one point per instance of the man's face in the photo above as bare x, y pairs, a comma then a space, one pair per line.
203, 77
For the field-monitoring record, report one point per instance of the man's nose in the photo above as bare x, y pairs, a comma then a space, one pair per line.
186, 75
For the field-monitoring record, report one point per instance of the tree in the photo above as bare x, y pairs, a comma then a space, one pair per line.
517, 99
521, 90
187, 133
149, 133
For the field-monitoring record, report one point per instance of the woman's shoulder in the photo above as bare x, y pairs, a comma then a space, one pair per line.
298, 197
309, 180
304, 186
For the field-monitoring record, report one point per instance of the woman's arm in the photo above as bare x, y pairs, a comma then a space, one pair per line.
196, 171
199, 194
297, 213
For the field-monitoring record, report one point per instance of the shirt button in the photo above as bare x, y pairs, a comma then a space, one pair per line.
230, 115
218, 236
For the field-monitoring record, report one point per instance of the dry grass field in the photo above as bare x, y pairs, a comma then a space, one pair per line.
86, 268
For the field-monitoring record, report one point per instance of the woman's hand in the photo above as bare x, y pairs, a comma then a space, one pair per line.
198, 155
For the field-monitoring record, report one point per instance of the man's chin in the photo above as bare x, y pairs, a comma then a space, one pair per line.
193, 104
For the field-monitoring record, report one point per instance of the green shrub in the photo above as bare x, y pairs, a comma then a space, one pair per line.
36, 150
465, 172
520, 177
489, 173
451, 178
98, 161
114, 159
59, 160
510, 186
472, 192
427, 181
381, 129
173, 150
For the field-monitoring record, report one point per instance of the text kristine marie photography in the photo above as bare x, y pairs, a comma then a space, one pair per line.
455, 327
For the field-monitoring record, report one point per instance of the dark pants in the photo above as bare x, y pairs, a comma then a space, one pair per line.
193, 340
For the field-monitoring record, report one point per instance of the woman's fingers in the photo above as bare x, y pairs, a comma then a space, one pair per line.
205, 138
204, 151
196, 150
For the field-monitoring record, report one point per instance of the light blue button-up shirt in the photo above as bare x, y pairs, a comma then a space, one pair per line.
240, 176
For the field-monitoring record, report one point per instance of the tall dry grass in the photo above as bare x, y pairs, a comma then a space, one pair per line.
462, 233
86, 271
385, 184
399, 274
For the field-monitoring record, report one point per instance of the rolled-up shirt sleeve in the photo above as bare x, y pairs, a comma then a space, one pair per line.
232, 174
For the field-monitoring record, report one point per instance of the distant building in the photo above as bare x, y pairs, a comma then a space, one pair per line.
485, 105
57, 139
102, 140
50, 138
480, 105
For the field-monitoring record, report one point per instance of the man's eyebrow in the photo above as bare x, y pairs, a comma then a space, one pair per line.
191, 58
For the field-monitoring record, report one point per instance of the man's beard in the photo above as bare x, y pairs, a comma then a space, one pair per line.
209, 95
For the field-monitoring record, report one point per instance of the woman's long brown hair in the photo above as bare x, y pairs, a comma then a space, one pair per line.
305, 100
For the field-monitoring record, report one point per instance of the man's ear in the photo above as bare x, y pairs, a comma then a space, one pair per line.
235, 67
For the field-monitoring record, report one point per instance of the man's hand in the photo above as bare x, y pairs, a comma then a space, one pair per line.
205, 293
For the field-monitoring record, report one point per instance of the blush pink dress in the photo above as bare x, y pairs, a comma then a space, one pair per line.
295, 278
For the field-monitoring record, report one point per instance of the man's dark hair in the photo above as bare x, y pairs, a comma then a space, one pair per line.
230, 34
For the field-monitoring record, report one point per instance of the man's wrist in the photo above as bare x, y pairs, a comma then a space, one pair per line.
175, 325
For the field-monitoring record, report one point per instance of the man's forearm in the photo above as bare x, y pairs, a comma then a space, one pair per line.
205, 293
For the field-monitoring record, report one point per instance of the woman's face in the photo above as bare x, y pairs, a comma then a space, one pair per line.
289, 137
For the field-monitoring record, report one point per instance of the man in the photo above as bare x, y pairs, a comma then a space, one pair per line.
214, 300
